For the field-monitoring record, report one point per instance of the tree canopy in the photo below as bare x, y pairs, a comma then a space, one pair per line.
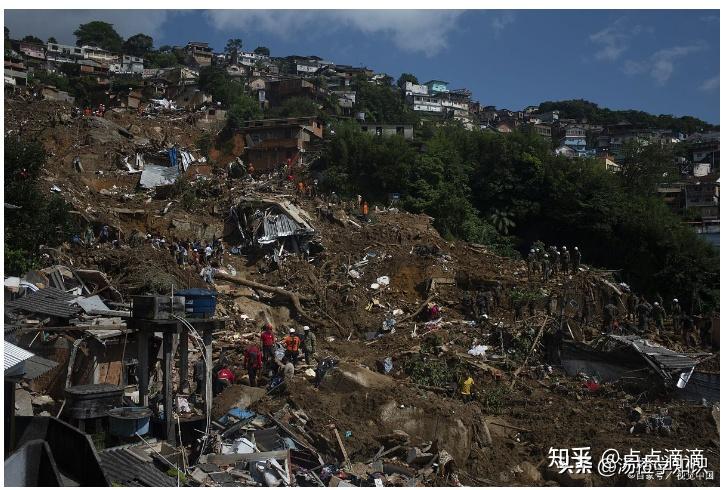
138, 45
35, 221
508, 191
404, 78
99, 34
582, 109
32, 39
262, 50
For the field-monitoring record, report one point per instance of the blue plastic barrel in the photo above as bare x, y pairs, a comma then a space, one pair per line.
129, 421
200, 303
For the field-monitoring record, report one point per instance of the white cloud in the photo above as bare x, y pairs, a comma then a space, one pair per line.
710, 84
61, 23
500, 22
662, 64
614, 39
420, 31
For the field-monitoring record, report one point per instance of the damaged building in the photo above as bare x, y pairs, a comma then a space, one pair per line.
270, 224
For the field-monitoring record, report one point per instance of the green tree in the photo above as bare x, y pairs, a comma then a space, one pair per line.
138, 45
262, 50
296, 107
100, 34
51, 39
232, 48
215, 80
244, 108
404, 78
645, 165
36, 221
161, 59
32, 39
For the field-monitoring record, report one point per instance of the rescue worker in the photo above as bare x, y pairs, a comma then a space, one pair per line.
676, 315
642, 312
223, 379
610, 312
687, 331
531, 264
466, 386
309, 344
365, 210
575, 259
565, 259
632, 303
267, 345
554, 257
658, 313
89, 237
546, 268
252, 362
291, 346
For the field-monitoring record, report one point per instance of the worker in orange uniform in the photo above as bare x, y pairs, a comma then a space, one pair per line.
291, 345
365, 210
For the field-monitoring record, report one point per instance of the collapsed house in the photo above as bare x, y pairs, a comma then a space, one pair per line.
632, 360
163, 167
270, 224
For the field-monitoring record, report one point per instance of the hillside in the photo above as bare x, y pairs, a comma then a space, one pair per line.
580, 109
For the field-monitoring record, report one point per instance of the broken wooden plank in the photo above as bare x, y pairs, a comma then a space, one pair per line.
347, 463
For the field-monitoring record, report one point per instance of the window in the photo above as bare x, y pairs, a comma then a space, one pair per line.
400, 130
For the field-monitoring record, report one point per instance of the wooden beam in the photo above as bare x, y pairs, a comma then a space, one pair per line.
347, 463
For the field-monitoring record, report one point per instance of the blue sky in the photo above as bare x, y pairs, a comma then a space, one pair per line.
664, 62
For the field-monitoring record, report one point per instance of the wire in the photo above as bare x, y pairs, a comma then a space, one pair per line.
202, 347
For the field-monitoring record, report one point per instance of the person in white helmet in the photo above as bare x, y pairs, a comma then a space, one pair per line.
531, 264
291, 346
565, 260
575, 259
658, 313
546, 267
309, 344
676, 315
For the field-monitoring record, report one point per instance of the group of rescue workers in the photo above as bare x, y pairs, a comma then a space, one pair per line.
276, 360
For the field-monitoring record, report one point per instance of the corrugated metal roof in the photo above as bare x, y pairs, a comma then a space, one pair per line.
128, 466
276, 226
156, 175
90, 303
666, 358
14, 355
48, 301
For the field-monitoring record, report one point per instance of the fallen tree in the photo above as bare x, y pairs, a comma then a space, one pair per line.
294, 298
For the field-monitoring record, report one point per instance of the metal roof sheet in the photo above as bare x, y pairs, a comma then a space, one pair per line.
14, 355
48, 301
156, 175
127, 466
666, 358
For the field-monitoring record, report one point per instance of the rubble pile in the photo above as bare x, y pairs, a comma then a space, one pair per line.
402, 318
